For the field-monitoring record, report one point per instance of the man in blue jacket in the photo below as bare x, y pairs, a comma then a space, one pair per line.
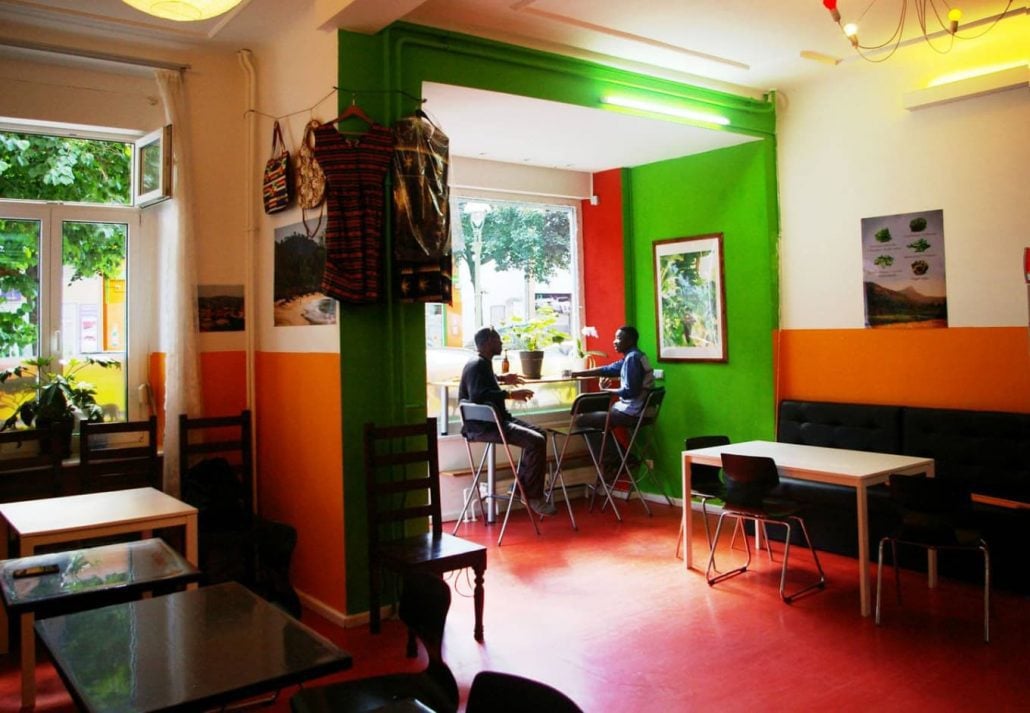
636, 379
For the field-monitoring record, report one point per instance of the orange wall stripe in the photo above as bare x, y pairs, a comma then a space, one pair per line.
979, 368
300, 451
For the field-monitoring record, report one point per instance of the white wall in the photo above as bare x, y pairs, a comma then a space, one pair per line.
848, 150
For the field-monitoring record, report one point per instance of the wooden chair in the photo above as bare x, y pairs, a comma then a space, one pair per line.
425, 601
226, 437
402, 480
30, 467
118, 456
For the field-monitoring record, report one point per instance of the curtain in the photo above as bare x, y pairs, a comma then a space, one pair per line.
177, 284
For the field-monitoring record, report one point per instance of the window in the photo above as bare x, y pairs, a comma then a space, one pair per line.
512, 258
67, 236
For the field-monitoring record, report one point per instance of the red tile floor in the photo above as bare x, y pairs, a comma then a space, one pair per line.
609, 617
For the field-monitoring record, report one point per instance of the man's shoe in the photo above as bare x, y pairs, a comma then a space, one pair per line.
541, 506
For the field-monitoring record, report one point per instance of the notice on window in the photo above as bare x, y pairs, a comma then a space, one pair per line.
903, 270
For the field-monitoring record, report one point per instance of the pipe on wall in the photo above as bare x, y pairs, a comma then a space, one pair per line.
249, 230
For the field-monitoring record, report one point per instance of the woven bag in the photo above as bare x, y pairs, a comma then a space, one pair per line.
310, 179
277, 187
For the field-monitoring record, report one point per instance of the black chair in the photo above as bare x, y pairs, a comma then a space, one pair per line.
933, 514
492, 437
119, 456
591, 402
425, 600
402, 487
30, 465
639, 451
216, 477
750, 481
493, 692
705, 482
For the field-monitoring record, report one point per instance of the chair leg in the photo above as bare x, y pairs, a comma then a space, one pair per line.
711, 555
624, 468
987, 591
820, 584
897, 570
375, 586
474, 490
879, 577
599, 482
558, 477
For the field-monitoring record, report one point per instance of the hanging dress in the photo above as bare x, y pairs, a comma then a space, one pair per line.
421, 204
355, 169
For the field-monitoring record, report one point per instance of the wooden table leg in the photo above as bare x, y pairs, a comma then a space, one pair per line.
479, 598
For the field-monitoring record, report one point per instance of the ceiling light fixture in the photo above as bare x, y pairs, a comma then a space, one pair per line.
184, 10
934, 17
681, 112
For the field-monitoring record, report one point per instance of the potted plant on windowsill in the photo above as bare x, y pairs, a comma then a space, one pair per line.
529, 337
47, 397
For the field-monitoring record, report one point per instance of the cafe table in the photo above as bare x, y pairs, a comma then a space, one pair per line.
81, 517
855, 469
195, 650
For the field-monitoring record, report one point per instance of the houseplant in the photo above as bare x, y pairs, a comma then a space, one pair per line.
529, 337
43, 395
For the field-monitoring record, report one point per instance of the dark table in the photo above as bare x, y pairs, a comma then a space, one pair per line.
92, 577
186, 651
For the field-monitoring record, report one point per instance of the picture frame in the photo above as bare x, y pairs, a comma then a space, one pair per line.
152, 169
690, 299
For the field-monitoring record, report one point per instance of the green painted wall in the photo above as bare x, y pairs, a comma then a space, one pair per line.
382, 347
730, 191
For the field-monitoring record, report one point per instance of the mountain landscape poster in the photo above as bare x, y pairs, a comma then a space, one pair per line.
903, 270
299, 264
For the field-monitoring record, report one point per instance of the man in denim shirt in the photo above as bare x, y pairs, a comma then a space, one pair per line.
636, 379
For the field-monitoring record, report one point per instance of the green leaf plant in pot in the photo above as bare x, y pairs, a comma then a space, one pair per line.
529, 337
44, 396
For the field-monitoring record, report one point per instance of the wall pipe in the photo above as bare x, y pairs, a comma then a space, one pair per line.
249, 231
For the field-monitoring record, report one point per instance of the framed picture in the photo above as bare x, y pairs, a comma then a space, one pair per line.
690, 299
152, 181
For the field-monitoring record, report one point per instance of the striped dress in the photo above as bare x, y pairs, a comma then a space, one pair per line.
355, 169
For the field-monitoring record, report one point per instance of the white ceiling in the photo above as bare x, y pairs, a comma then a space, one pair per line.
744, 46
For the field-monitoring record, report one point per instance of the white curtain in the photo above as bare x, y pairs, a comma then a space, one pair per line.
177, 284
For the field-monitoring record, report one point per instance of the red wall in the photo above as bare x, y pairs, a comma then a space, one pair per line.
604, 284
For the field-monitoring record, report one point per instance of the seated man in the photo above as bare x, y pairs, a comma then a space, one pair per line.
480, 385
636, 378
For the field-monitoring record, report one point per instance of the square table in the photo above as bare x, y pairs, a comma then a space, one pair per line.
193, 650
79, 517
839, 466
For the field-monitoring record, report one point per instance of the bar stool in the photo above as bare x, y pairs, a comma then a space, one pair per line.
641, 445
483, 413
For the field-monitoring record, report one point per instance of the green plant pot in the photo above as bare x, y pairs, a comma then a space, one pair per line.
60, 437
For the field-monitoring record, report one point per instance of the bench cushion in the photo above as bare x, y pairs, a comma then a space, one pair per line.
859, 427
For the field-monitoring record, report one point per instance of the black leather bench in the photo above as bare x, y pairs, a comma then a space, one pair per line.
987, 451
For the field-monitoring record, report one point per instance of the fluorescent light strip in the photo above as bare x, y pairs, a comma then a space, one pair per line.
1012, 78
681, 112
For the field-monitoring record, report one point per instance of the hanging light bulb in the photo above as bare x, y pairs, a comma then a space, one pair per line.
183, 10
851, 30
954, 15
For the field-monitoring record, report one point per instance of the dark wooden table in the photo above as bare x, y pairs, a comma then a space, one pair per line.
187, 651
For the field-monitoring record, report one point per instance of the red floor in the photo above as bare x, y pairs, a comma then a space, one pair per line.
609, 617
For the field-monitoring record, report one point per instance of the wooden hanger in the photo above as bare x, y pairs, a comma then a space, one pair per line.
353, 111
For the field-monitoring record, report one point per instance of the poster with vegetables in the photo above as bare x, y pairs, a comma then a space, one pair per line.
903, 270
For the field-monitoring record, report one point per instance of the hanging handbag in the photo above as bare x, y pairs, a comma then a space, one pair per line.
310, 179
277, 187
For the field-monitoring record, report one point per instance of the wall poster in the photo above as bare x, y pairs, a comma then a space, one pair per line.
299, 264
903, 270
221, 308
690, 299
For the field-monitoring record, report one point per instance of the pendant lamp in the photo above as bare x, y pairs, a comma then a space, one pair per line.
183, 10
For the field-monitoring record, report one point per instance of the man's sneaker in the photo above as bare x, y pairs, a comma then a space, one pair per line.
541, 506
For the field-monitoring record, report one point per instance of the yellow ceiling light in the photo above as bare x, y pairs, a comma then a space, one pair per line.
183, 10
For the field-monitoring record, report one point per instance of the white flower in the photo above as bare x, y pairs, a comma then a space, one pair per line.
589, 331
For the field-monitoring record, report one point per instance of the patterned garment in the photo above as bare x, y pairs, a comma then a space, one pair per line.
421, 205
355, 169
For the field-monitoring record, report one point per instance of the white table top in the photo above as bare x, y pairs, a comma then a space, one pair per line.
78, 512
832, 465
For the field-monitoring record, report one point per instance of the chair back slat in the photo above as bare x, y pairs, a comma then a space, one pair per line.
229, 437
402, 479
30, 465
119, 456
748, 478
591, 402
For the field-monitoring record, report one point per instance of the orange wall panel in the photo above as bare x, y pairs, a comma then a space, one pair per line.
979, 368
299, 463
223, 378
